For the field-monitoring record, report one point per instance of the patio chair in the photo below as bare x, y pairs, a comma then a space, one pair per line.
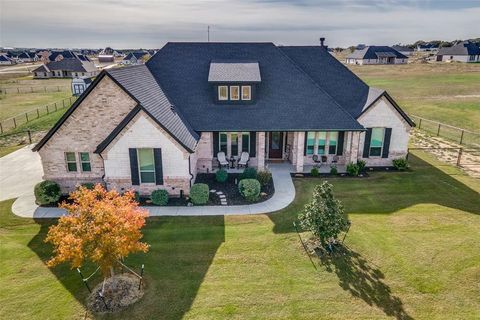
317, 160
222, 160
243, 162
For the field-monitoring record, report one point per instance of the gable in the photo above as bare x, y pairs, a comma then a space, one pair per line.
382, 113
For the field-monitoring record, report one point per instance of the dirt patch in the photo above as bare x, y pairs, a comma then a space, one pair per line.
119, 292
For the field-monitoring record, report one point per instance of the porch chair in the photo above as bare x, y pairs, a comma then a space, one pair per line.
222, 160
243, 162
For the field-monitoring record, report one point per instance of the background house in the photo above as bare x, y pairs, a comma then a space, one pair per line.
376, 55
406, 51
137, 57
5, 60
464, 51
426, 47
66, 68
106, 55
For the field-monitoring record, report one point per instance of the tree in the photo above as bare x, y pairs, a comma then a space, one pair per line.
101, 226
324, 216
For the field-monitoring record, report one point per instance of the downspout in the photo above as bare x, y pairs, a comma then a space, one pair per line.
190, 169
103, 176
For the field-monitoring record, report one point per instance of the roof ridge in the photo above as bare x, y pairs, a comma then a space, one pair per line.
316, 84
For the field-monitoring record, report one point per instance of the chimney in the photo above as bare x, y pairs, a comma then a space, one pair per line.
322, 39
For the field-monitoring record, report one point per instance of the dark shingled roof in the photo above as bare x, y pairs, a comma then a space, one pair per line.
286, 99
137, 55
372, 52
402, 49
464, 48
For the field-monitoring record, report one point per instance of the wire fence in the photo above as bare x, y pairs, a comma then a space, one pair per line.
23, 118
33, 89
459, 135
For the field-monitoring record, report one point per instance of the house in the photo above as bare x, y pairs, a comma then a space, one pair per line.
406, 51
137, 57
426, 47
376, 55
158, 124
5, 60
106, 55
79, 85
66, 68
60, 55
464, 51
27, 57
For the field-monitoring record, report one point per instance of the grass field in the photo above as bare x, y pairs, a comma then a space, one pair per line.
449, 93
414, 252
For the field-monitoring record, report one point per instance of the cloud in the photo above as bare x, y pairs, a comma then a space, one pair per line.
149, 23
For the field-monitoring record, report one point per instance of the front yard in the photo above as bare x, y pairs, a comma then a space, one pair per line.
414, 252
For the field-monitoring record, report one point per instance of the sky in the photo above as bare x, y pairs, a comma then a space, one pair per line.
151, 23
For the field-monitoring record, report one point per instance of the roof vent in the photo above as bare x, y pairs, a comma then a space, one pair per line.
172, 107
322, 40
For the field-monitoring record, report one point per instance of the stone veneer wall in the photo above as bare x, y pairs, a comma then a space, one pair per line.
93, 120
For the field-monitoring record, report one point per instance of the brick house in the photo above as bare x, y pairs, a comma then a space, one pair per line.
157, 125
376, 55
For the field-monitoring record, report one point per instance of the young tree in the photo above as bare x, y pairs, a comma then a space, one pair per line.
324, 216
101, 226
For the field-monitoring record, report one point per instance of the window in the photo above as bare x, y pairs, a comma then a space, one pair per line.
321, 136
310, 142
246, 93
223, 142
85, 161
376, 142
222, 93
246, 142
332, 142
71, 161
234, 144
234, 93
146, 165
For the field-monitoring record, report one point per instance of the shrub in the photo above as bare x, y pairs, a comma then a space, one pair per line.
221, 175
361, 165
249, 173
249, 189
352, 169
264, 177
333, 170
199, 193
47, 192
159, 197
137, 196
400, 164
88, 185
314, 172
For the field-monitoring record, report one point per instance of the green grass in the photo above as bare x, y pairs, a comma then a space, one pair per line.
414, 252
7, 150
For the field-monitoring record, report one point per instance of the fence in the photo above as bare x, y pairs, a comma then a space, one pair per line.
33, 89
459, 135
20, 119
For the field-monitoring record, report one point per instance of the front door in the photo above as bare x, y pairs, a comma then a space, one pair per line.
275, 145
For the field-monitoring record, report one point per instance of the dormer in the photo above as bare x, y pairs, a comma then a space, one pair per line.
234, 82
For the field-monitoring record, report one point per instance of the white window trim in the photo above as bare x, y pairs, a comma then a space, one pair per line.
82, 162
140, 171
67, 162
220, 98
381, 148
231, 95
249, 93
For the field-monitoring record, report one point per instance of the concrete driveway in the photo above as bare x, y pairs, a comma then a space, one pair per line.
20, 171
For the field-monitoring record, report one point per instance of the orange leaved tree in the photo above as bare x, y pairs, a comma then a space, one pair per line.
101, 226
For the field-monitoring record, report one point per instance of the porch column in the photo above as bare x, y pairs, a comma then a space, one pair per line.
261, 151
352, 146
298, 146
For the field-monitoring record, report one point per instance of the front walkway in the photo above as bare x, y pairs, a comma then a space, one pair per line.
284, 194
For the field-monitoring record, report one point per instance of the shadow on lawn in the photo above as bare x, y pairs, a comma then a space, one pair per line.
387, 192
364, 281
182, 249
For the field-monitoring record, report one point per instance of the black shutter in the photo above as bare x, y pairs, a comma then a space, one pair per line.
134, 166
305, 144
216, 137
341, 138
157, 156
253, 144
366, 144
386, 142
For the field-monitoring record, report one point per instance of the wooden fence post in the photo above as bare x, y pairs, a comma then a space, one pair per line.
459, 158
420, 124
55, 106
26, 116
14, 123
461, 137
18, 90
29, 136
47, 110
438, 131
38, 114
1, 128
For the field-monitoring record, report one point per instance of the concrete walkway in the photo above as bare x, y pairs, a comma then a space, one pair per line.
21, 170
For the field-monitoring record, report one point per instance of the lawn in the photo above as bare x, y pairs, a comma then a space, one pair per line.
414, 252
449, 93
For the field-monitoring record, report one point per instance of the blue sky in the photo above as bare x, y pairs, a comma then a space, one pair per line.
151, 23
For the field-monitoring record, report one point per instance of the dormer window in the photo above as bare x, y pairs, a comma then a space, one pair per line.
246, 93
234, 93
222, 93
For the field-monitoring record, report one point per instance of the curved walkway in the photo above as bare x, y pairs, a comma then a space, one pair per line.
23, 170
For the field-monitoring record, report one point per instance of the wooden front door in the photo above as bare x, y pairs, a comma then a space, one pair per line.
275, 145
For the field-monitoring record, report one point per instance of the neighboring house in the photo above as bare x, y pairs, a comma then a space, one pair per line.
137, 57
79, 85
106, 55
157, 125
464, 51
426, 47
66, 68
27, 57
376, 55
406, 51
60, 55
5, 60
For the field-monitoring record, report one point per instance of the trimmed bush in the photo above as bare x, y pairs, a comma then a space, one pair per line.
333, 170
248, 173
159, 197
361, 165
353, 169
199, 193
314, 172
88, 185
249, 189
137, 196
264, 177
221, 175
47, 192
401, 164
